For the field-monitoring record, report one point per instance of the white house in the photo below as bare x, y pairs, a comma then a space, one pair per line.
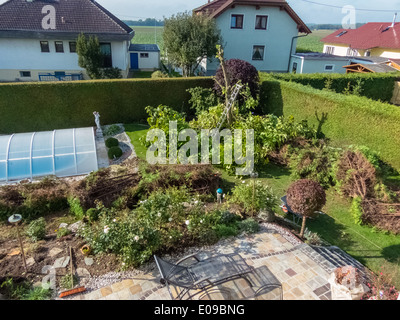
316, 62
262, 32
145, 57
38, 39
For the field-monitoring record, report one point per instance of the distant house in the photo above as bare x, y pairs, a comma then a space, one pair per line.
38, 39
145, 57
262, 32
315, 62
374, 39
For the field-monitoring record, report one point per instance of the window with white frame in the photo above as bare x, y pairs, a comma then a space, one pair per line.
258, 52
144, 55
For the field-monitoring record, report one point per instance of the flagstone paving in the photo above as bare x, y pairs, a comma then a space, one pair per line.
302, 271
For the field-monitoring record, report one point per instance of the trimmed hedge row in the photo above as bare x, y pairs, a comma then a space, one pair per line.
37, 106
376, 86
345, 119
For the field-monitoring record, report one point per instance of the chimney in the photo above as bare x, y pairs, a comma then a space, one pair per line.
394, 20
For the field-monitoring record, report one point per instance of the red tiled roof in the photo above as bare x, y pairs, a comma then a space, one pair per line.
370, 35
217, 7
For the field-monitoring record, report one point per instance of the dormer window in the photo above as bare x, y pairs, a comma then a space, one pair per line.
237, 21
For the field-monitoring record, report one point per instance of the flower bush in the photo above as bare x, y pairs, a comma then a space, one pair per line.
164, 221
253, 196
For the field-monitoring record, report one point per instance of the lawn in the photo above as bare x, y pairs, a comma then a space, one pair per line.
372, 248
312, 41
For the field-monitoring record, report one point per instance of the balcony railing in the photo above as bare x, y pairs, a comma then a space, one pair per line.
60, 77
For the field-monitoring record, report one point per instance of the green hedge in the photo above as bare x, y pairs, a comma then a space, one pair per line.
39, 106
376, 86
345, 119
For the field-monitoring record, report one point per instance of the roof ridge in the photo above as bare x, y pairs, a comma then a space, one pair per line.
110, 16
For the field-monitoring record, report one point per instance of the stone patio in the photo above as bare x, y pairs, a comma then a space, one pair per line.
302, 271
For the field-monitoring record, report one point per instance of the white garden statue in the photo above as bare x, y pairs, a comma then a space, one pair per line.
99, 132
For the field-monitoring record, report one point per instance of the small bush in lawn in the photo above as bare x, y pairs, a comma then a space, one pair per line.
37, 230
249, 226
112, 142
114, 153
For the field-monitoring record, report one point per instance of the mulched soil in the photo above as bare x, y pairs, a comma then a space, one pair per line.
12, 265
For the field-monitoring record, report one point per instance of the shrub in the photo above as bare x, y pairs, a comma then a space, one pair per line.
62, 232
75, 207
24, 291
114, 153
112, 142
159, 74
356, 210
305, 197
238, 70
377, 86
356, 175
37, 230
111, 130
315, 163
249, 226
224, 231
92, 214
202, 99
112, 73
253, 197
345, 120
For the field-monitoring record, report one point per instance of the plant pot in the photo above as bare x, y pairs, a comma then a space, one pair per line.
86, 250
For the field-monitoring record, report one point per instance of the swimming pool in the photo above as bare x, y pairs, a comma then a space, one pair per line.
61, 153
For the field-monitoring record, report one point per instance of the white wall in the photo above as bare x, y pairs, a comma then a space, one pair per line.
150, 63
277, 39
26, 55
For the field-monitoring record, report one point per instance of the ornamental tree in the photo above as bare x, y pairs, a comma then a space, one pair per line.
188, 39
305, 197
236, 70
90, 56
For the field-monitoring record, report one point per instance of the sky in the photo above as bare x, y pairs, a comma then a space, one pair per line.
308, 12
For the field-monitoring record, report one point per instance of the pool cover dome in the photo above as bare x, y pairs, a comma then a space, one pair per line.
61, 153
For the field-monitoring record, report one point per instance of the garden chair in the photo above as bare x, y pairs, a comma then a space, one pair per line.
201, 274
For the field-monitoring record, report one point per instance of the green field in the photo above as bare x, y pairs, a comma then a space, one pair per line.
148, 35
312, 41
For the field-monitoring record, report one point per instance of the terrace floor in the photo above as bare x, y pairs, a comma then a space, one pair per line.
302, 270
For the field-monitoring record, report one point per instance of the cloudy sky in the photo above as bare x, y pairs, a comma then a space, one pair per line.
308, 10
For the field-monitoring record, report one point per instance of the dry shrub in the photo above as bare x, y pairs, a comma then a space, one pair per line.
200, 178
381, 215
356, 175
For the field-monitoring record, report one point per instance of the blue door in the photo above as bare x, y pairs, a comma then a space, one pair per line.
134, 61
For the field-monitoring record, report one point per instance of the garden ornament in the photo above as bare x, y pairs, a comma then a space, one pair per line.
219, 195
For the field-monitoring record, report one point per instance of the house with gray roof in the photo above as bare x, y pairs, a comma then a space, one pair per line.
38, 39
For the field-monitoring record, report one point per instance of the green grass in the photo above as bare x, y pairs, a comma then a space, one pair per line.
135, 132
149, 35
312, 41
372, 248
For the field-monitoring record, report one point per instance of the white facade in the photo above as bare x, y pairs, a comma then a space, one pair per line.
147, 61
22, 56
301, 63
278, 40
